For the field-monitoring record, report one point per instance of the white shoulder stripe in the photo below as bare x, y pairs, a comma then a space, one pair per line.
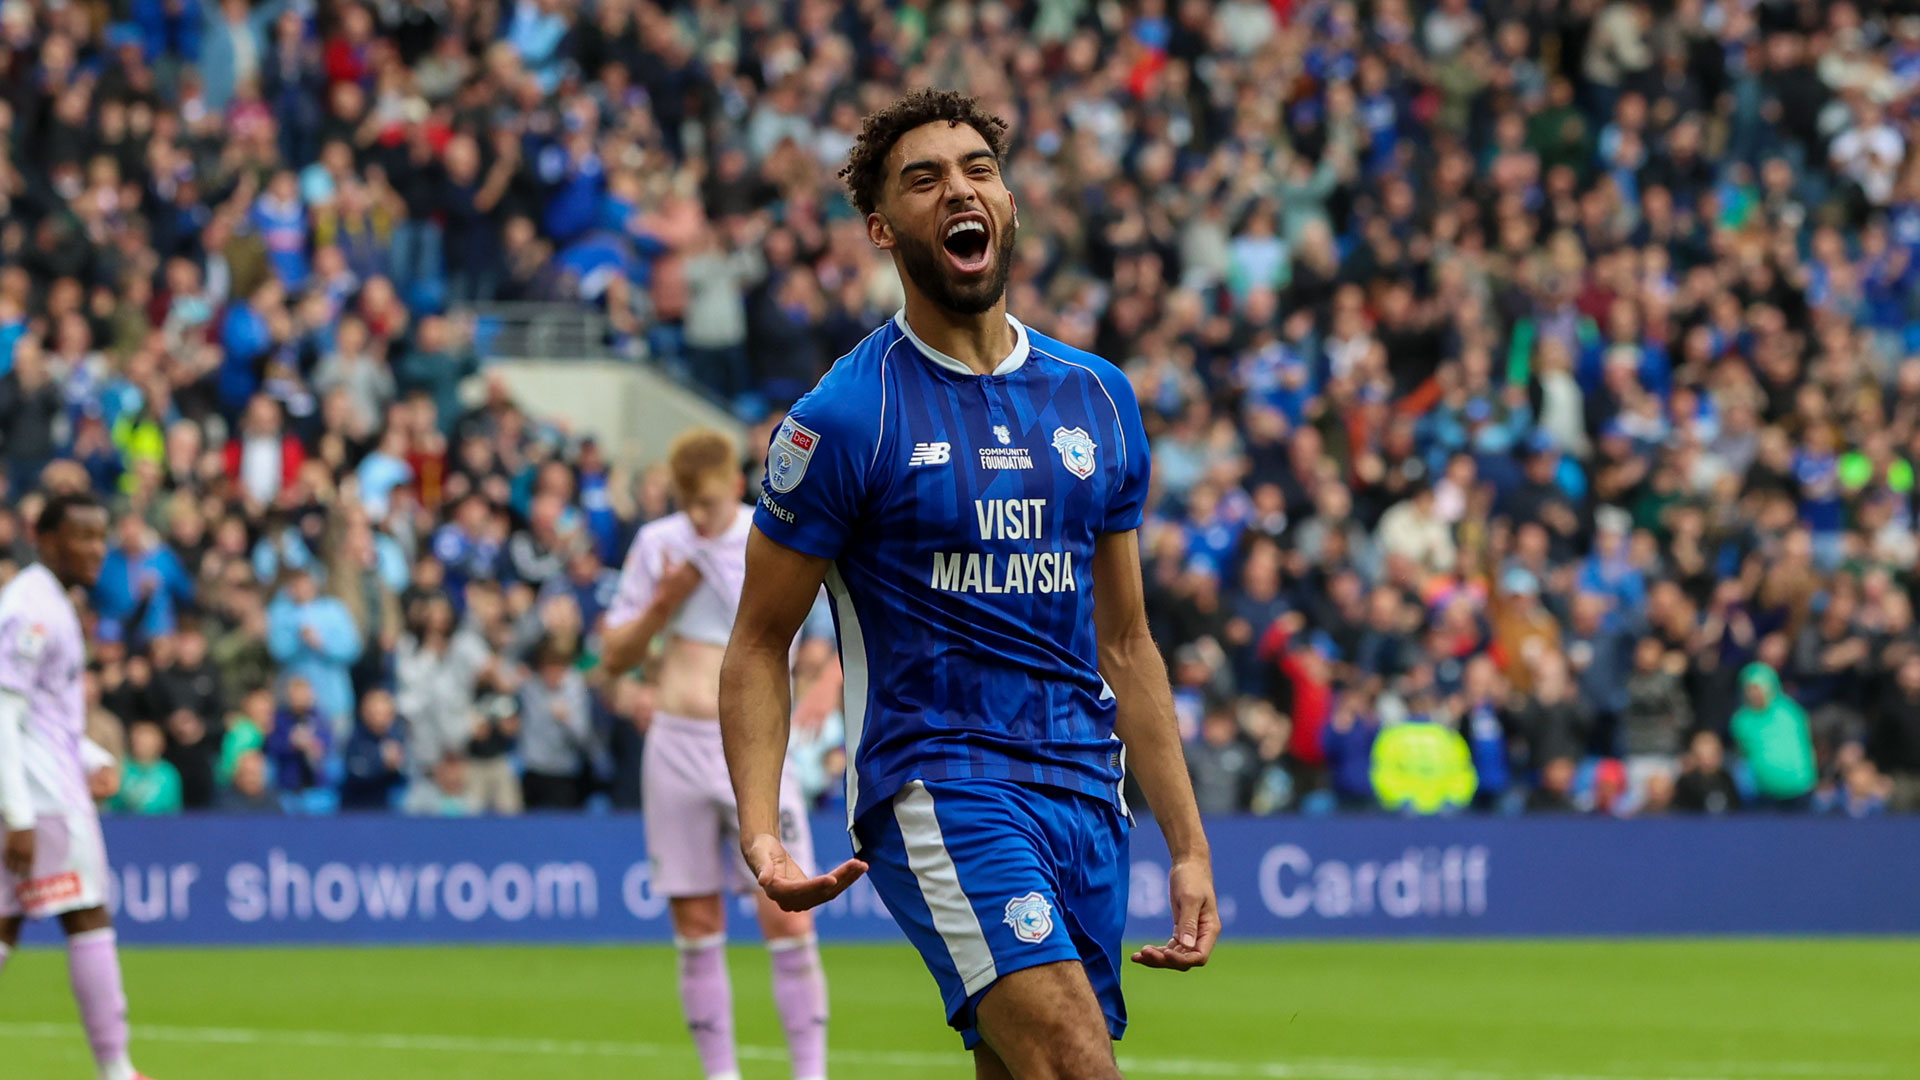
881, 437
1118, 424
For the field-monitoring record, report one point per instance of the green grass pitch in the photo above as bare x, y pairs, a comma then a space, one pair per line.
1681, 1010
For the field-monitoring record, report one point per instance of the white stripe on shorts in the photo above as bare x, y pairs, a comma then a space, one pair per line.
939, 880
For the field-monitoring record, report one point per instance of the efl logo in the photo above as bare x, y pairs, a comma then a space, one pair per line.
931, 453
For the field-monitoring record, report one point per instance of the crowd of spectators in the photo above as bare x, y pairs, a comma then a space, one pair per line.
1544, 372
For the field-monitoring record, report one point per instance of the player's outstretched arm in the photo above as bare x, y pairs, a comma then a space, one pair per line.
1131, 664
755, 707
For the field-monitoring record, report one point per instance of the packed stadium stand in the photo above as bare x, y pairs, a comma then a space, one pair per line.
1534, 385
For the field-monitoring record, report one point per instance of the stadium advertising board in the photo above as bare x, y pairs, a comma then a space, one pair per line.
261, 880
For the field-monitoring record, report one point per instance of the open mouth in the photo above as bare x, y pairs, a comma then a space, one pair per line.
966, 243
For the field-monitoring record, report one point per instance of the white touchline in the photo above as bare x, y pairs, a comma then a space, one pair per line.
1296, 1069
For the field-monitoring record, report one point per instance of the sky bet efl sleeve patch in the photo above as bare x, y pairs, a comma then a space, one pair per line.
787, 459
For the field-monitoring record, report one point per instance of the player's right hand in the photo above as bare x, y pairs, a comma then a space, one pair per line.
784, 882
19, 853
674, 585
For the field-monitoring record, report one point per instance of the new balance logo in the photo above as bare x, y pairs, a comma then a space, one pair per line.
931, 453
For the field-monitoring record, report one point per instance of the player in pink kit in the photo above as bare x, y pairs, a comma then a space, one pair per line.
55, 860
683, 575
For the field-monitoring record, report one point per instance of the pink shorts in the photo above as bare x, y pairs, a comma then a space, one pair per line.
69, 870
692, 821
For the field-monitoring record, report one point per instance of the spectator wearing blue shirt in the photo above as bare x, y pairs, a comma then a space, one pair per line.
466, 546
142, 584
375, 759
280, 218
313, 638
1349, 739
301, 743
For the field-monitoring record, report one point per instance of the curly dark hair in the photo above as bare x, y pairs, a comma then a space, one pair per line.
866, 168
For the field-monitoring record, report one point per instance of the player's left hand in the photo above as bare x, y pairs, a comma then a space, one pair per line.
1196, 919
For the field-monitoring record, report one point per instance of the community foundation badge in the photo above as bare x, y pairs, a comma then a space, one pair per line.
1031, 918
787, 459
1076, 450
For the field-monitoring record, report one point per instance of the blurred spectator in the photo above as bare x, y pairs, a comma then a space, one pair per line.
301, 741
444, 792
1896, 736
375, 757
494, 787
248, 793
148, 783
142, 585
314, 641
1655, 721
439, 663
555, 731
194, 752
1771, 731
1221, 764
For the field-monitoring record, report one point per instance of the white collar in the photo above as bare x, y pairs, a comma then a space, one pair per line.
1006, 367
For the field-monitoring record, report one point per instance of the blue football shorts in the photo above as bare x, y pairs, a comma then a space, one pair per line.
989, 877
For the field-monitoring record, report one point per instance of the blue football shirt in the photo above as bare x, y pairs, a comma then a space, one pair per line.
960, 512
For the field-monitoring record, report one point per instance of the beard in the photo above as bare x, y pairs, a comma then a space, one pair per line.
926, 266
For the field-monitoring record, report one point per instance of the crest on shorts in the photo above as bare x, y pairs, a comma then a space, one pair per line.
1076, 450
787, 458
1031, 918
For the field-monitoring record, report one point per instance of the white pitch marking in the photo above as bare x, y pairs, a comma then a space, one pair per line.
1299, 1069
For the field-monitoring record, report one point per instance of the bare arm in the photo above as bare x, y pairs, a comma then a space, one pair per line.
1132, 666
755, 709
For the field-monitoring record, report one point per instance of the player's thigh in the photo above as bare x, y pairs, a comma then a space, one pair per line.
682, 815
10, 930
696, 917
970, 873
1045, 1023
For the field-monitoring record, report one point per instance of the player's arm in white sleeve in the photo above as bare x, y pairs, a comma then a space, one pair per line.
1132, 666
16, 801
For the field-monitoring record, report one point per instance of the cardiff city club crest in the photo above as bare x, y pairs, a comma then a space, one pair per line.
788, 456
1001, 433
1031, 917
1076, 450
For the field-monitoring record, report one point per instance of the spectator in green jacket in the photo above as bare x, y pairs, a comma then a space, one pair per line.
149, 784
1772, 733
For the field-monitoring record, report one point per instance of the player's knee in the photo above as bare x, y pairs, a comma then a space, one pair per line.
1073, 1053
779, 925
698, 916
85, 921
